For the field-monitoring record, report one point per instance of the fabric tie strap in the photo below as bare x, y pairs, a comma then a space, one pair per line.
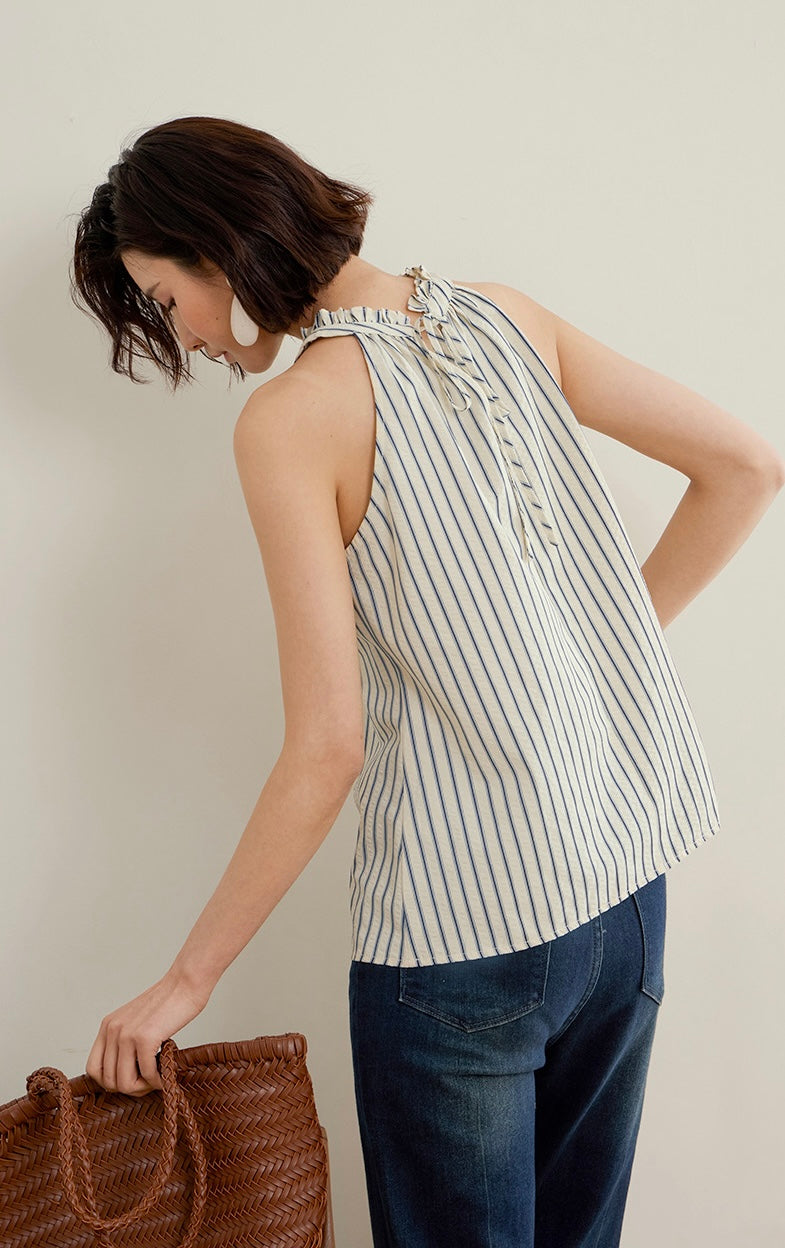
457, 372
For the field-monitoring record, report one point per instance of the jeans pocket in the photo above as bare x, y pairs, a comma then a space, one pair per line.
651, 905
480, 993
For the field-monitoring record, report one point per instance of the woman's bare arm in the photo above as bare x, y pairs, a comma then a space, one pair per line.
285, 459
656, 415
734, 472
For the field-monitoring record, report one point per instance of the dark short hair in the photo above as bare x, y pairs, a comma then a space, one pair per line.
202, 189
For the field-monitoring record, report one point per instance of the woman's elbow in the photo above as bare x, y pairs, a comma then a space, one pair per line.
337, 761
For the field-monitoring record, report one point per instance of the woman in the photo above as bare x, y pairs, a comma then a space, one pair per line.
467, 645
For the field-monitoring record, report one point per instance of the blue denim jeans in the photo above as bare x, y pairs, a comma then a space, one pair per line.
499, 1099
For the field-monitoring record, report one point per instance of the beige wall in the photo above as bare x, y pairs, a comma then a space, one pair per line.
619, 163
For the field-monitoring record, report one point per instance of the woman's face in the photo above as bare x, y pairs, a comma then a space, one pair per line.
200, 310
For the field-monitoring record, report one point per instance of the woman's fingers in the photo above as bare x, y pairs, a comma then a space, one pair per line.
122, 1058
148, 1068
128, 1078
94, 1066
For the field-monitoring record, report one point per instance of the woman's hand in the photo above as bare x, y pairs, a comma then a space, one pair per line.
122, 1058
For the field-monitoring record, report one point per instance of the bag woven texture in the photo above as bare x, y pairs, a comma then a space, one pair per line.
230, 1153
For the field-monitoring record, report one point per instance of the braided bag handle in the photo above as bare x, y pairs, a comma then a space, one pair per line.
71, 1137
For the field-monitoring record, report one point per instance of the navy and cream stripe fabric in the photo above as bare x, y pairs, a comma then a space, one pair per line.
531, 757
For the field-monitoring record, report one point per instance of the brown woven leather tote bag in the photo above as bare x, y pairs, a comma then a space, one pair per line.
230, 1153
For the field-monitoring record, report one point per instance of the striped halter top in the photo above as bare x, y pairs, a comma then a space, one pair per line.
531, 757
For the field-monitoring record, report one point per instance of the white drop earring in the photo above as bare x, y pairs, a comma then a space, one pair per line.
244, 330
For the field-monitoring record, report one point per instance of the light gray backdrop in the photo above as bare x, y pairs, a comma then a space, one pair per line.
622, 165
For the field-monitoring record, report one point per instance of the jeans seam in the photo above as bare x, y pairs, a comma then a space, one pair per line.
591, 985
649, 988
452, 1021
